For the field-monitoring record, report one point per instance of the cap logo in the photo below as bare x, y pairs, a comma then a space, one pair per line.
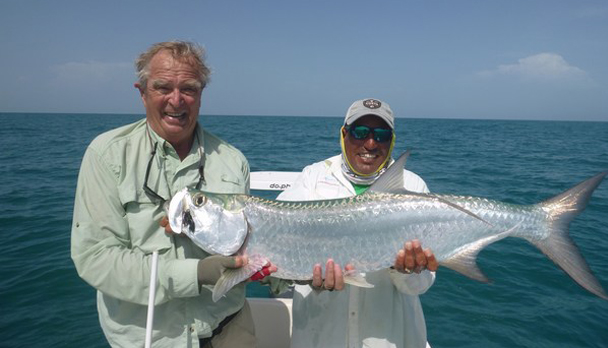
372, 103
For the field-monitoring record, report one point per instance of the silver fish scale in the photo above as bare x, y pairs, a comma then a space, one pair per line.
369, 229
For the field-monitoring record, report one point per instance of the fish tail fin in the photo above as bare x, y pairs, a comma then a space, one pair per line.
558, 246
234, 276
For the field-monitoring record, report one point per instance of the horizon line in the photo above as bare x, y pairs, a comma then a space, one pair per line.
319, 116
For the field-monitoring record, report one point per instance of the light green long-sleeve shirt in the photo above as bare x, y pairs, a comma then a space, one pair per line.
116, 228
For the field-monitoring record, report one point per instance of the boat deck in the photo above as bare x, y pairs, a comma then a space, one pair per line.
272, 318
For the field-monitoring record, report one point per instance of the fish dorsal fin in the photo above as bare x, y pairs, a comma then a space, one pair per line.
391, 181
456, 206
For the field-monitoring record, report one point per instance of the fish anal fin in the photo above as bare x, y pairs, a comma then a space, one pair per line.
464, 264
464, 260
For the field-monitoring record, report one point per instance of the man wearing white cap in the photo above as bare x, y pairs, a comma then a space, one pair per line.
390, 314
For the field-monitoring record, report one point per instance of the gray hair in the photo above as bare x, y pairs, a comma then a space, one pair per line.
184, 51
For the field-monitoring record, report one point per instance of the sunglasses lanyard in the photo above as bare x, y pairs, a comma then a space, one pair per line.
201, 163
201, 154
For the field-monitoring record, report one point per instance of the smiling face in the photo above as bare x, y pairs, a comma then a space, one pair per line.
366, 155
172, 98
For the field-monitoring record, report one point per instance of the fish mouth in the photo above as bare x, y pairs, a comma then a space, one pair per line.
176, 208
187, 221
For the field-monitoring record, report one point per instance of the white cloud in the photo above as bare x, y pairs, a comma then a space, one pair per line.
539, 66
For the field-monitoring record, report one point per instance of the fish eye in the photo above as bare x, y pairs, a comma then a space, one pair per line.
199, 200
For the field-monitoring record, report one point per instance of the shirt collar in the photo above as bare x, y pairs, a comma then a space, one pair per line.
165, 148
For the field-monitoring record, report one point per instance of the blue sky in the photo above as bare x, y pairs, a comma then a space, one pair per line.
517, 59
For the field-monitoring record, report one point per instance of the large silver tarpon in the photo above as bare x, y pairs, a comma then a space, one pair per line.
368, 229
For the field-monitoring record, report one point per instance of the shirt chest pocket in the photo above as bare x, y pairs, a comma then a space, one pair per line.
134, 199
224, 183
143, 213
330, 188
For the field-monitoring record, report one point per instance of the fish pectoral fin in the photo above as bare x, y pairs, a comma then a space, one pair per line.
356, 279
464, 260
233, 276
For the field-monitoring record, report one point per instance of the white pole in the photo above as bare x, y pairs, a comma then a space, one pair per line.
151, 297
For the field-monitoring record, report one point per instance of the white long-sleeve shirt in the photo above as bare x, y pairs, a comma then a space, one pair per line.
388, 315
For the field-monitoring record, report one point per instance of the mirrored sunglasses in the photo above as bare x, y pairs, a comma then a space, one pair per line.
360, 132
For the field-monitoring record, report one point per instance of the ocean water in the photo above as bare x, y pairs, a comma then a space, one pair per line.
530, 303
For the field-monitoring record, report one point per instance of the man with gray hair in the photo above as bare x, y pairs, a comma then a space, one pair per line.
126, 176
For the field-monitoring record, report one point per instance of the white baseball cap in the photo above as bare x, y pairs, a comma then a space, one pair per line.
370, 106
